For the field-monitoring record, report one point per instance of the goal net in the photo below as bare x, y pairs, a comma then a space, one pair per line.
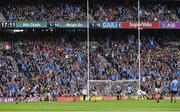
111, 88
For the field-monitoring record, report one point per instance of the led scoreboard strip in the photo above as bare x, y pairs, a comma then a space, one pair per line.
83, 24
7, 25
42, 24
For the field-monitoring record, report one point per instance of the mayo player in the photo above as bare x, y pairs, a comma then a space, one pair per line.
158, 90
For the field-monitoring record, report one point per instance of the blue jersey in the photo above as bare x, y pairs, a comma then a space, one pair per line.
174, 85
129, 90
33, 89
22, 91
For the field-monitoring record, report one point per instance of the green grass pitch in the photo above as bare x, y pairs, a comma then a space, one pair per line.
99, 106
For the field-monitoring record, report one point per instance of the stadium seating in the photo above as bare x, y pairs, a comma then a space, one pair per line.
99, 11
43, 11
61, 63
56, 64
128, 11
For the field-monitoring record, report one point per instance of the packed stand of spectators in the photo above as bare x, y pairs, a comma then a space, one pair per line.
58, 65
121, 53
128, 11
159, 59
10, 79
113, 11
45, 11
169, 12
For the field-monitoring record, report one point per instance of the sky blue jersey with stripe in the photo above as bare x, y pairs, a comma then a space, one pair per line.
174, 85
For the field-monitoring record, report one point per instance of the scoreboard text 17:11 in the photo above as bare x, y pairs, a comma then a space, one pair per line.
7, 25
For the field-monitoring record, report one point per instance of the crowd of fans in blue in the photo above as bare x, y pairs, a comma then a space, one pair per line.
59, 62
116, 10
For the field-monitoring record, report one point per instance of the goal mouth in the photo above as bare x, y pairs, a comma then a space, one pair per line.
113, 88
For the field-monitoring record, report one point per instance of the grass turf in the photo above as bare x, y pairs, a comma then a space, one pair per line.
99, 106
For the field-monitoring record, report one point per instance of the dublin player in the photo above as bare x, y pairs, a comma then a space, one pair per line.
20, 94
27, 93
174, 89
33, 92
129, 91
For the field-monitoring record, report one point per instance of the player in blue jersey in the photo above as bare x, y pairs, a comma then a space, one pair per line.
19, 96
174, 89
27, 93
33, 93
129, 92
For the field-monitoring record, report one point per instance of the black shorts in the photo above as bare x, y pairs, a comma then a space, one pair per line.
174, 92
28, 94
19, 95
118, 92
32, 93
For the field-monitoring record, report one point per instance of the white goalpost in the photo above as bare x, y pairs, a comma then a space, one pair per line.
88, 72
139, 47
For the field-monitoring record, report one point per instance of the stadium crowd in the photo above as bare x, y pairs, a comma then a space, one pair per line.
128, 11
159, 60
165, 12
122, 54
50, 65
50, 11
58, 64
116, 10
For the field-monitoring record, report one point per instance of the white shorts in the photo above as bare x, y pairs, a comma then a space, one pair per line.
94, 93
143, 93
139, 92
49, 95
157, 90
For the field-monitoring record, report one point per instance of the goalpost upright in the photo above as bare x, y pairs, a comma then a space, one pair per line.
88, 47
139, 46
